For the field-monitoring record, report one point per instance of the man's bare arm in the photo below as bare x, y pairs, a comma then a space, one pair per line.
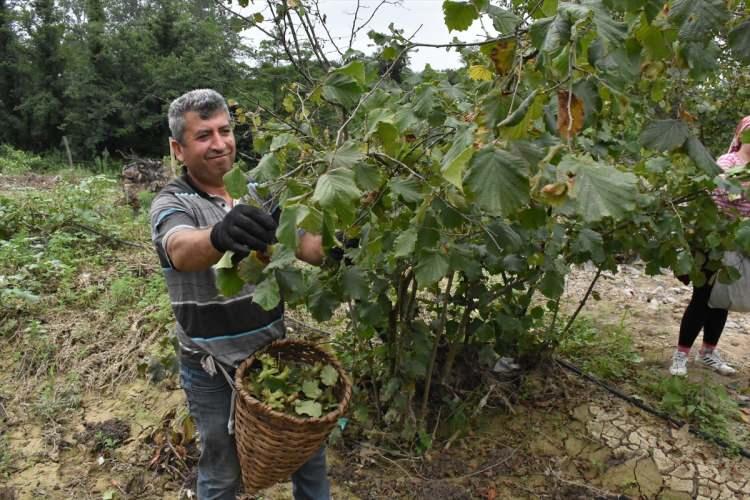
310, 249
191, 250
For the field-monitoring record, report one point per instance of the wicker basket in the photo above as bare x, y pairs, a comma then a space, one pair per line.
272, 445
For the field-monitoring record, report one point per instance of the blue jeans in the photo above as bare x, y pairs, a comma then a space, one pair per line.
219, 476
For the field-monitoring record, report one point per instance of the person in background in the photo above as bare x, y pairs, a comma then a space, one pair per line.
698, 315
193, 222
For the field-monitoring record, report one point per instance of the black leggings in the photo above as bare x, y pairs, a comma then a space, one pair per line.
698, 315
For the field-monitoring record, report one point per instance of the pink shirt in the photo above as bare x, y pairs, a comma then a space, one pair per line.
734, 205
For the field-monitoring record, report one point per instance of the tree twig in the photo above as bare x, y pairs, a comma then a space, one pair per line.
385, 75
438, 337
583, 301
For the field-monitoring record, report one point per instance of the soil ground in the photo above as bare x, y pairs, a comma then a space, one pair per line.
566, 438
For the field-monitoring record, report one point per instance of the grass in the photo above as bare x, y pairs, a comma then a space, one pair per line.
6, 458
706, 404
606, 352
80, 287
609, 354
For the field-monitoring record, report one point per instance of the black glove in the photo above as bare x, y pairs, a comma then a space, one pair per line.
243, 229
337, 253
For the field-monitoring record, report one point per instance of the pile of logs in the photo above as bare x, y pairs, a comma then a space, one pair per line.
143, 174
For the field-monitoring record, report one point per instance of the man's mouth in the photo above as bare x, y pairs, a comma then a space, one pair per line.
218, 156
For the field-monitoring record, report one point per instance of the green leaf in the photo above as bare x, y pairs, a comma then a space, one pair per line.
286, 233
504, 21
612, 32
283, 257
312, 389
291, 284
266, 294
404, 244
367, 177
425, 101
432, 266
408, 189
250, 269
664, 135
700, 155
355, 283
552, 284
282, 140
459, 16
236, 183
342, 89
498, 181
591, 242
308, 407
388, 135
336, 189
653, 40
355, 69
557, 35
329, 376
742, 237
321, 303
268, 168
703, 58
739, 42
453, 171
345, 156
528, 111
697, 19
228, 281
683, 263
506, 236
599, 190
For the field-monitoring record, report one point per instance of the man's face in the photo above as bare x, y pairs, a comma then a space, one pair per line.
207, 147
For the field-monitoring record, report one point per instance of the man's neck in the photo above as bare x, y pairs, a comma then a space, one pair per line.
208, 188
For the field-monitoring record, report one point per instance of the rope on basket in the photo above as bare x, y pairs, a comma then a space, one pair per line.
209, 365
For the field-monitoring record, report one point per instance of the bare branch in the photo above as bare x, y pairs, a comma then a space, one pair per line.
249, 21
465, 44
354, 25
375, 11
282, 39
307, 24
325, 27
387, 72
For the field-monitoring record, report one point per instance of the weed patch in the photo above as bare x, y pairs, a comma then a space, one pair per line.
706, 405
605, 352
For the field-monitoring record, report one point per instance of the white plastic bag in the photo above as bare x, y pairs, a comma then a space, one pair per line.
733, 296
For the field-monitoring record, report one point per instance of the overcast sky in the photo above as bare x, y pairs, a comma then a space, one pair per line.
408, 15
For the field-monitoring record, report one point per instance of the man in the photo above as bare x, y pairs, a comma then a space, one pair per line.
193, 222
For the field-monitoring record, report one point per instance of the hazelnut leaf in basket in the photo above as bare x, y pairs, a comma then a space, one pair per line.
311, 389
307, 407
329, 375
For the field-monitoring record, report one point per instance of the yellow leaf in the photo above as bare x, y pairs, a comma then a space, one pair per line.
479, 72
502, 55
569, 114
288, 103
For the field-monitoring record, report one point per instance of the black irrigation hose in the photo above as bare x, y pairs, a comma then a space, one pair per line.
650, 409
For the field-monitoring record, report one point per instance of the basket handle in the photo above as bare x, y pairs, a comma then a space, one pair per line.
209, 365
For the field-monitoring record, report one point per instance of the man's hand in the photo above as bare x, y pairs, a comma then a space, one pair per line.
243, 229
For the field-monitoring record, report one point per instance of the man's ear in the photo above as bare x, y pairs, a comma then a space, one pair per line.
176, 148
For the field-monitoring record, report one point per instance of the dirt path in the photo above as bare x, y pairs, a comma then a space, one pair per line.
652, 307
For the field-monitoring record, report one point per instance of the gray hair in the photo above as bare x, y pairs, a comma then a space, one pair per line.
205, 102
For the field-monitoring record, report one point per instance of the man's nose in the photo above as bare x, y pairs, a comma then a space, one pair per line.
218, 141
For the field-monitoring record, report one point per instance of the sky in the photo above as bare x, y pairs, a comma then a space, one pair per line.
408, 15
